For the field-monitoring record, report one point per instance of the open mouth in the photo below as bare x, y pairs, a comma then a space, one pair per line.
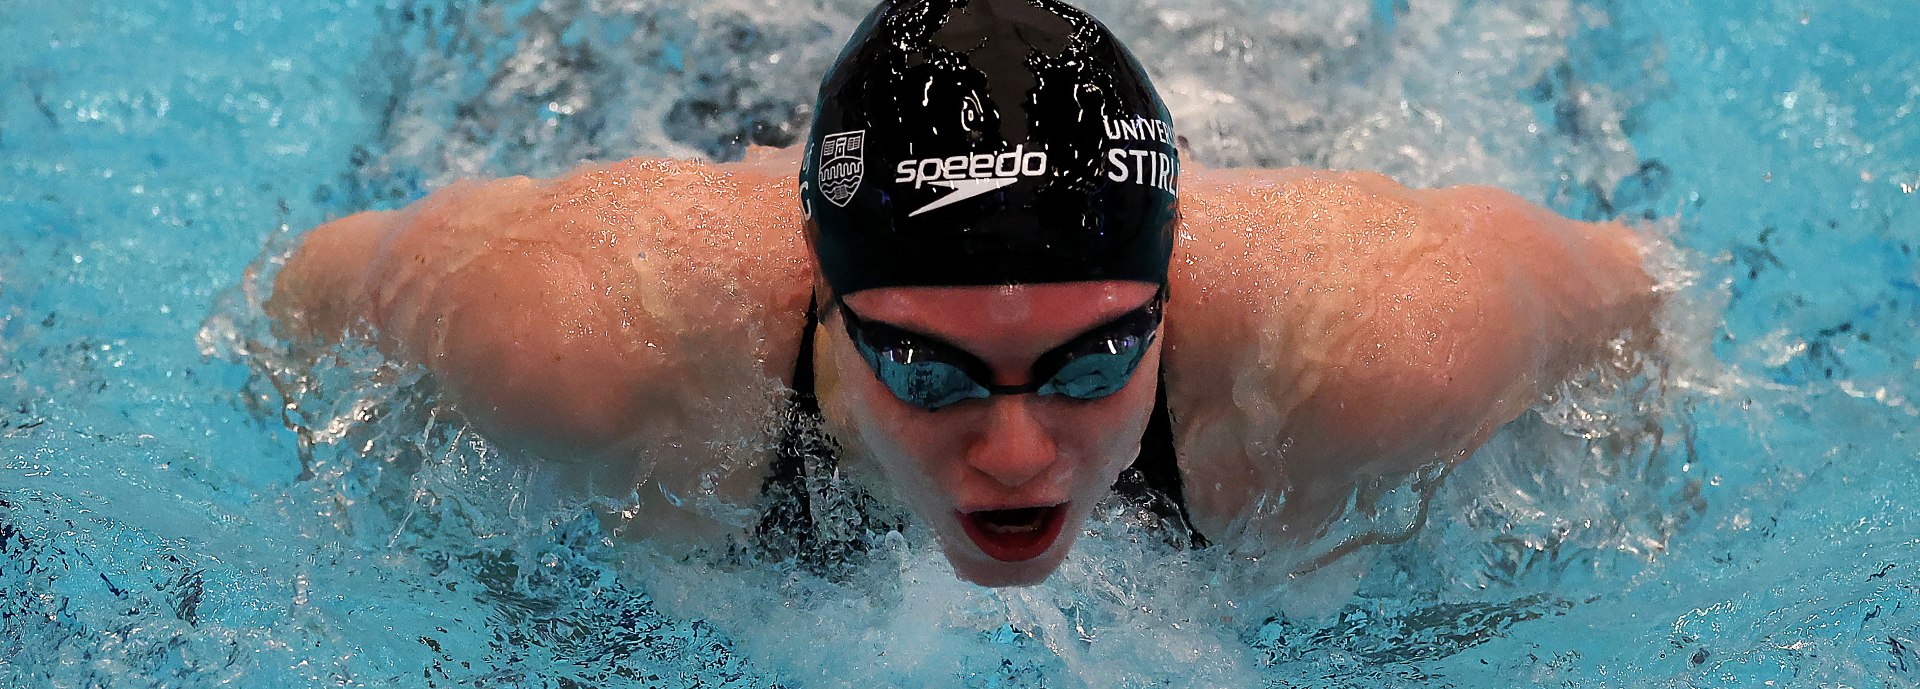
1015, 535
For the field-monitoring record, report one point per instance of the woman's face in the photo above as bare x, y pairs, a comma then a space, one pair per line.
1005, 481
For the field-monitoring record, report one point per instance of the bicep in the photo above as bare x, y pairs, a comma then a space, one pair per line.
516, 328
1586, 279
1467, 330
531, 350
1333, 327
1439, 357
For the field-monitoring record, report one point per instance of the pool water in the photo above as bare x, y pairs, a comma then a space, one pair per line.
182, 506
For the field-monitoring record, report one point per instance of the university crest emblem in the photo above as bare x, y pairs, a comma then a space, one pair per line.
841, 165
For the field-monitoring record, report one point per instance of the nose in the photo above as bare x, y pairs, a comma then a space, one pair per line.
1014, 447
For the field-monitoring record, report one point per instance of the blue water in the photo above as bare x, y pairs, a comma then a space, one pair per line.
181, 507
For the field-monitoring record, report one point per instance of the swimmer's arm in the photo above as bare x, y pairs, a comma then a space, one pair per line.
1475, 325
1383, 328
477, 311
586, 317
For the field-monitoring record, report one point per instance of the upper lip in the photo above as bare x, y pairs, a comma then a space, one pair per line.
995, 507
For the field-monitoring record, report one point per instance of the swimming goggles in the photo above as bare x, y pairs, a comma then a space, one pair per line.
925, 372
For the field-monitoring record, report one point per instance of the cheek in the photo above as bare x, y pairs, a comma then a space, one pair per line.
873, 427
1107, 433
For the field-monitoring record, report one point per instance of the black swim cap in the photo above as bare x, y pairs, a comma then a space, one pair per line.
981, 142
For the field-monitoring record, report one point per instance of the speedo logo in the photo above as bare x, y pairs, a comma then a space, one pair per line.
970, 175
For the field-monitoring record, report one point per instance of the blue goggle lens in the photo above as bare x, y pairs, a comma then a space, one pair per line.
924, 372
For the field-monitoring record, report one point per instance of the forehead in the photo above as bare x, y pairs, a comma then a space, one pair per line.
1049, 312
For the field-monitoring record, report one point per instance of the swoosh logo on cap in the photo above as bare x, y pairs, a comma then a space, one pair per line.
964, 189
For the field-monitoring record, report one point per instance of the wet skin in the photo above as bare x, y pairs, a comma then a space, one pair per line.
638, 321
1004, 452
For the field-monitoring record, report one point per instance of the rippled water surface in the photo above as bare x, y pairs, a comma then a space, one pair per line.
180, 507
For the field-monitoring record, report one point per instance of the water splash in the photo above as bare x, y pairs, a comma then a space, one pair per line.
168, 520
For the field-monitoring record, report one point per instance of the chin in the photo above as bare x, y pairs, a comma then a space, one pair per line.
1002, 574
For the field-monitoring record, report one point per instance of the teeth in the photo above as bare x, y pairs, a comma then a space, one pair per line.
1025, 520
1010, 528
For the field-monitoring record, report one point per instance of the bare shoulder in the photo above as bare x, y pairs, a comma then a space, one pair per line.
733, 227
1332, 326
639, 318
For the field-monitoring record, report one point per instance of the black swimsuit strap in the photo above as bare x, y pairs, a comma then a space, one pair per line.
803, 366
787, 515
1154, 478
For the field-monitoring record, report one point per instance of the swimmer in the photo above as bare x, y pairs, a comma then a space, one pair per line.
996, 290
